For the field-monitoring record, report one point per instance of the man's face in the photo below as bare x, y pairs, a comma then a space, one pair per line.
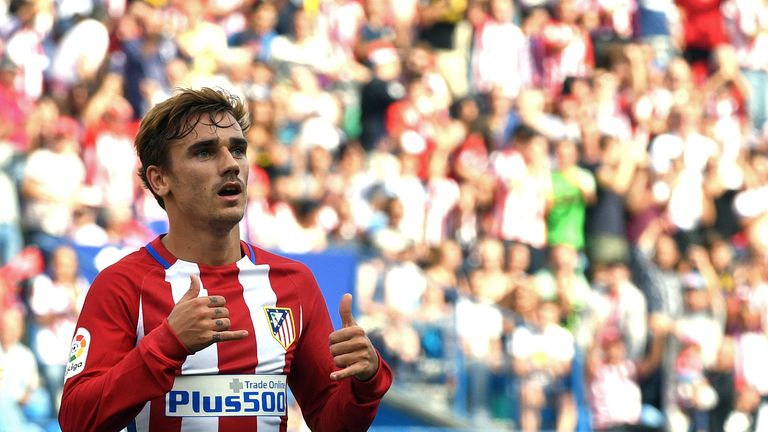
204, 183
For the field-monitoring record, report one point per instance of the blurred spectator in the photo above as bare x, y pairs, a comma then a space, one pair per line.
79, 55
525, 192
563, 280
605, 224
613, 378
479, 327
658, 26
440, 24
409, 121
703, 30
567, 47
656, 259
419, 63
15, 108
442, 196
308, 47
488, 281
108, 153
751, 379
619, 303
445, 270
24, 38
543, 354
747, 22
410, 191
199, 38
55, 303
148, 50
53, 180
377, 94
722, 377
376, 26
750, 205
11, 241
260, 32
470, 159
19, 378
501, 54
573, 188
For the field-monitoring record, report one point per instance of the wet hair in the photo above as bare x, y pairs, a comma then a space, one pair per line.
177, 117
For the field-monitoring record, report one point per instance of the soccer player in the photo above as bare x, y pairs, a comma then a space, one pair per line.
200, 331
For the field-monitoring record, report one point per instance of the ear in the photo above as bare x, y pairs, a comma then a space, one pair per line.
157, 180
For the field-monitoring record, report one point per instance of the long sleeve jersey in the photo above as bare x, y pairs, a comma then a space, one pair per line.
126, 360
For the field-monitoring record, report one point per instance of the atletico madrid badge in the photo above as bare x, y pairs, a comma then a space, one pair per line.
280, 321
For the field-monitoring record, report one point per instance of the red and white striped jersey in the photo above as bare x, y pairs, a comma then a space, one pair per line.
125, 357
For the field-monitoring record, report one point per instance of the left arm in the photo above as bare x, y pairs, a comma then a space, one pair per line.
330, 399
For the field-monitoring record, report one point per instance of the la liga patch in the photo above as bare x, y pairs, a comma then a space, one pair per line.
78, 352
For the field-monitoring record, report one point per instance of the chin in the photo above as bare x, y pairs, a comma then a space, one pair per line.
227, 220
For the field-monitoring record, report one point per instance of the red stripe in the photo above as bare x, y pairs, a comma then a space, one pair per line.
157, 419
235, 357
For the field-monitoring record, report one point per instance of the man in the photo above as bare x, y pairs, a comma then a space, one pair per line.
199, 330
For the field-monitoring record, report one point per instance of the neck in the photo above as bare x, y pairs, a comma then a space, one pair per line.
204, 247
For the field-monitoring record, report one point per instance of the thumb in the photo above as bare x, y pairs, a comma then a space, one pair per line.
345, 311
194, 289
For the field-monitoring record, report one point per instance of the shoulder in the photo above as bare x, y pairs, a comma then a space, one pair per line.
281, 266
127, 273
275, 260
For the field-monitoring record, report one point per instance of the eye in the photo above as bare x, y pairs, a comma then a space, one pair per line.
203, 153
238, 151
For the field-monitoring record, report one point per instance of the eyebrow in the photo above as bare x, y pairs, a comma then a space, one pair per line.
213, 142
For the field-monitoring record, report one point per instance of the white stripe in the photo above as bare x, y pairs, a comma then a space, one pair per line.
205, 361
257, 293
142, 419
140, 322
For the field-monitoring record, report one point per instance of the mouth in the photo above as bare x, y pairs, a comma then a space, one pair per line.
230, 190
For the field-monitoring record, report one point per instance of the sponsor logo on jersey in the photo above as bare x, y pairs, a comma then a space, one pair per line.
227, 395
280, 321
78, 352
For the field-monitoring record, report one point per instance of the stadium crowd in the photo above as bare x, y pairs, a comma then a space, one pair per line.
559, 207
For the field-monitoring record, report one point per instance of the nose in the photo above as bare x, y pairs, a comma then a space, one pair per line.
228, 164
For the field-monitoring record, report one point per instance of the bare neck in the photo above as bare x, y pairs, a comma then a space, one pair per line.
204, 247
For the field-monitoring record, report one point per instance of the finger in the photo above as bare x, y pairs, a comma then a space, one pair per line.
216, 301
348, 346
219, 312
345, 334
349, 359
221, 324
225, 336
345, 311
347, 372
193, 291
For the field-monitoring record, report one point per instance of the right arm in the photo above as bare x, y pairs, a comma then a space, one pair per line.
117, 376
108, 383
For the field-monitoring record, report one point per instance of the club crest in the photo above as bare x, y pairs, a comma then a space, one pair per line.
280, 321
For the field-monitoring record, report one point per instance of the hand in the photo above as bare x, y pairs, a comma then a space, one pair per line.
201, 321
350, 347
